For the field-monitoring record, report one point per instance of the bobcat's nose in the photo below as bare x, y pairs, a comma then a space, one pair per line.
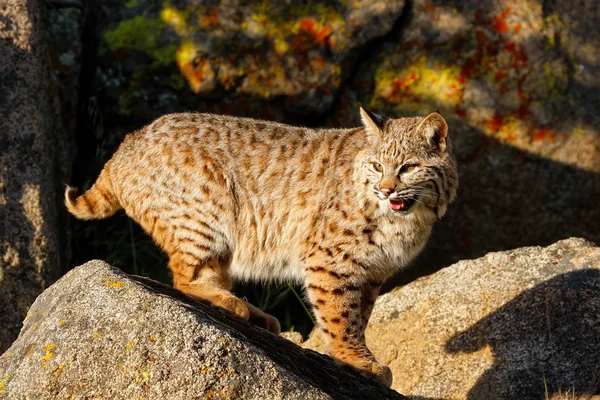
386, 191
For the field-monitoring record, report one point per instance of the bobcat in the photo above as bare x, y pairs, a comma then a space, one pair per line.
337, 210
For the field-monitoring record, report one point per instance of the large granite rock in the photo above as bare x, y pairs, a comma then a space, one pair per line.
518, 82
99, 333
32, 164
519, 324
155, 54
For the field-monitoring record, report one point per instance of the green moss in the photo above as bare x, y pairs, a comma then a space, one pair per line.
164, 56
142, 34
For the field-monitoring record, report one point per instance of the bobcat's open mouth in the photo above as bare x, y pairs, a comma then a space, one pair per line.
401, 204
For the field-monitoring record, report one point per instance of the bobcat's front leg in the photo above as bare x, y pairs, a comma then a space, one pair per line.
336, 297
369, 293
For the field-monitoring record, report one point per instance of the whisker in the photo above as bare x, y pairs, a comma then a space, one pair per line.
426, 191
422, 189
426, 196
422, 193
417, 187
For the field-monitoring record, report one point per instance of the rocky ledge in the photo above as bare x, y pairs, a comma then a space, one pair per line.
99, 333
519, 324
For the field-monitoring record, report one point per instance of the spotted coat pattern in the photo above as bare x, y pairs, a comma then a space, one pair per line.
337, 210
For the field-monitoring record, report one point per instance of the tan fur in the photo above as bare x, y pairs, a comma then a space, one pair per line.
233, 198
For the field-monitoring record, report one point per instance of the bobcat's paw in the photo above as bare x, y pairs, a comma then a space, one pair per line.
378, 372
232, 304
266, 321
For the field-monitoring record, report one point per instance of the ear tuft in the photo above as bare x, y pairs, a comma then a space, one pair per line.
371, 121
435, 128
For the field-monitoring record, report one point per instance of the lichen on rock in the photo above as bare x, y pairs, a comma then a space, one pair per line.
98, 332
261, 49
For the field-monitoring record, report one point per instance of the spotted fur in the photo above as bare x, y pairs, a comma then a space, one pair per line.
337, 210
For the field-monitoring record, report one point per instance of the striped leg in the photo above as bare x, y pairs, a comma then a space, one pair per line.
336, 297
369, 293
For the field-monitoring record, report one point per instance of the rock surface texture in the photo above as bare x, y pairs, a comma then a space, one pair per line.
498, 327
99, 333
31, 161
298, 52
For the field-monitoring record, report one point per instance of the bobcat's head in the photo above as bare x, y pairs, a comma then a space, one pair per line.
409, 164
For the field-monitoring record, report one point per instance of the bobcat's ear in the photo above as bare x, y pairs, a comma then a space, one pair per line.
372, 122
435, 129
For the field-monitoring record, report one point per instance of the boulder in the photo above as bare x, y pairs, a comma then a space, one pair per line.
519, 324
156, 55
32, 164
99, 333
518, 83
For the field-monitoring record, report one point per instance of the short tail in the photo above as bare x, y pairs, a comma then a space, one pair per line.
97, 203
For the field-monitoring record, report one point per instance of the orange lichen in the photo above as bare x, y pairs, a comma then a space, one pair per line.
211, 18
319, 63
495, 123
48, 354
59, 369
540, 134
500, 25
309, 34
500, 75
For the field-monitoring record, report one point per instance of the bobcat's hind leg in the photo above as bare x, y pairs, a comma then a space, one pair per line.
207, 279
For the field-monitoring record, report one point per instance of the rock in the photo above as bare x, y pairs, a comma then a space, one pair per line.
518, 83
294, 337
498, 327
32, 164
229, 49
99, 333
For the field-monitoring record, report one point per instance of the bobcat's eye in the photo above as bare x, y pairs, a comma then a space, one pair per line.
407, 168
378, 167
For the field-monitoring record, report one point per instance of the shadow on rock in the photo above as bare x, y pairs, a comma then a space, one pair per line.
545, 337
